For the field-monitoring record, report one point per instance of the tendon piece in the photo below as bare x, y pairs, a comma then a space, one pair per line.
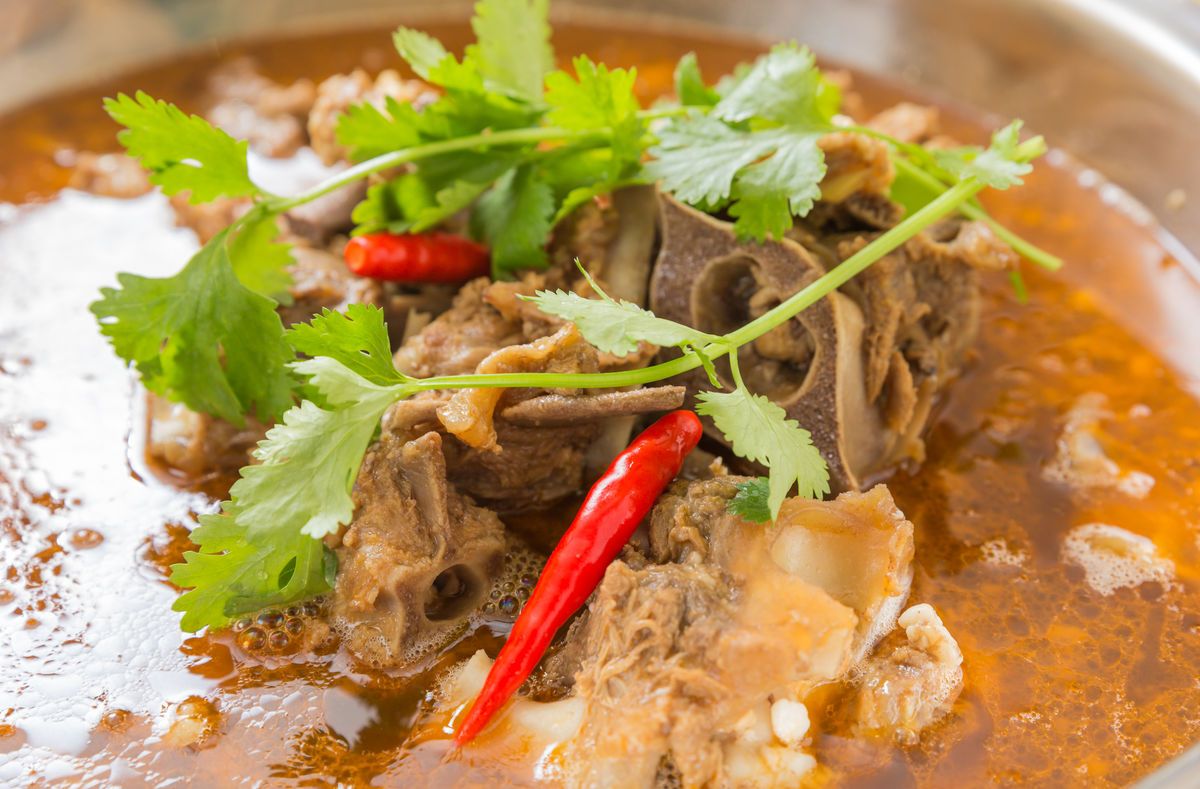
417, 559
468, 413
905, 689
855, 163
858, 548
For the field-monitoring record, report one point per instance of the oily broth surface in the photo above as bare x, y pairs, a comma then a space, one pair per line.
1063, 686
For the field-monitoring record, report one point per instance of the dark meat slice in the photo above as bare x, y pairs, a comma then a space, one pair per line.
613, 239
249, 106
418, 557
555, 409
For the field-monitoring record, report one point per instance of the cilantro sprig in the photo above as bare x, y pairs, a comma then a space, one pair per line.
517, 145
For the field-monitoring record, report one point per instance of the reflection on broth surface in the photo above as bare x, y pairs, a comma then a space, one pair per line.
1069, 680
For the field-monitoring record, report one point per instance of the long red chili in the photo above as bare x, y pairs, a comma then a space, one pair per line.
614, 507
416, 257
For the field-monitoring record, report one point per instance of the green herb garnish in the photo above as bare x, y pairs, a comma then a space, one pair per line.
519, 146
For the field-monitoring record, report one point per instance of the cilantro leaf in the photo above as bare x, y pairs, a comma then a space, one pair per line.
184, 153
751, 500
230, 575
617, 326
367, 131
421, 51
266, 548
260, 261
698, 157
176, 330
310, 459
756, 151
760, 431
1000, 165
595, 99
768, 194
784, 86
689, 84
514, 219
512, 46
357, 339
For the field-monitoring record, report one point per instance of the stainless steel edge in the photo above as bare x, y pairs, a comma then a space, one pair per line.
1116, 82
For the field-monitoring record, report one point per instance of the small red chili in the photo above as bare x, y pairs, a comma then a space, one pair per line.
614, 507
416, 257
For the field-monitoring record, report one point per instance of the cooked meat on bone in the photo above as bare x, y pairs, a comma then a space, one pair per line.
417, 558
812, 366
858, 548
860, 369
555, 440
912, 684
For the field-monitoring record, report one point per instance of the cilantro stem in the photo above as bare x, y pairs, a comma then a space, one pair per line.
806, 297
968, 209
1022, 247
857, 263
417, 152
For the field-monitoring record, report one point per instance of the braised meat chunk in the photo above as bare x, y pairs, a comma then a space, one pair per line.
418, 557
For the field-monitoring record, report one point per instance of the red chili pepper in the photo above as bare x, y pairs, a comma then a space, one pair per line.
416, 257
614, 507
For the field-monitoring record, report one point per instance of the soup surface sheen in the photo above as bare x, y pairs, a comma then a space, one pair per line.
1065, 685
